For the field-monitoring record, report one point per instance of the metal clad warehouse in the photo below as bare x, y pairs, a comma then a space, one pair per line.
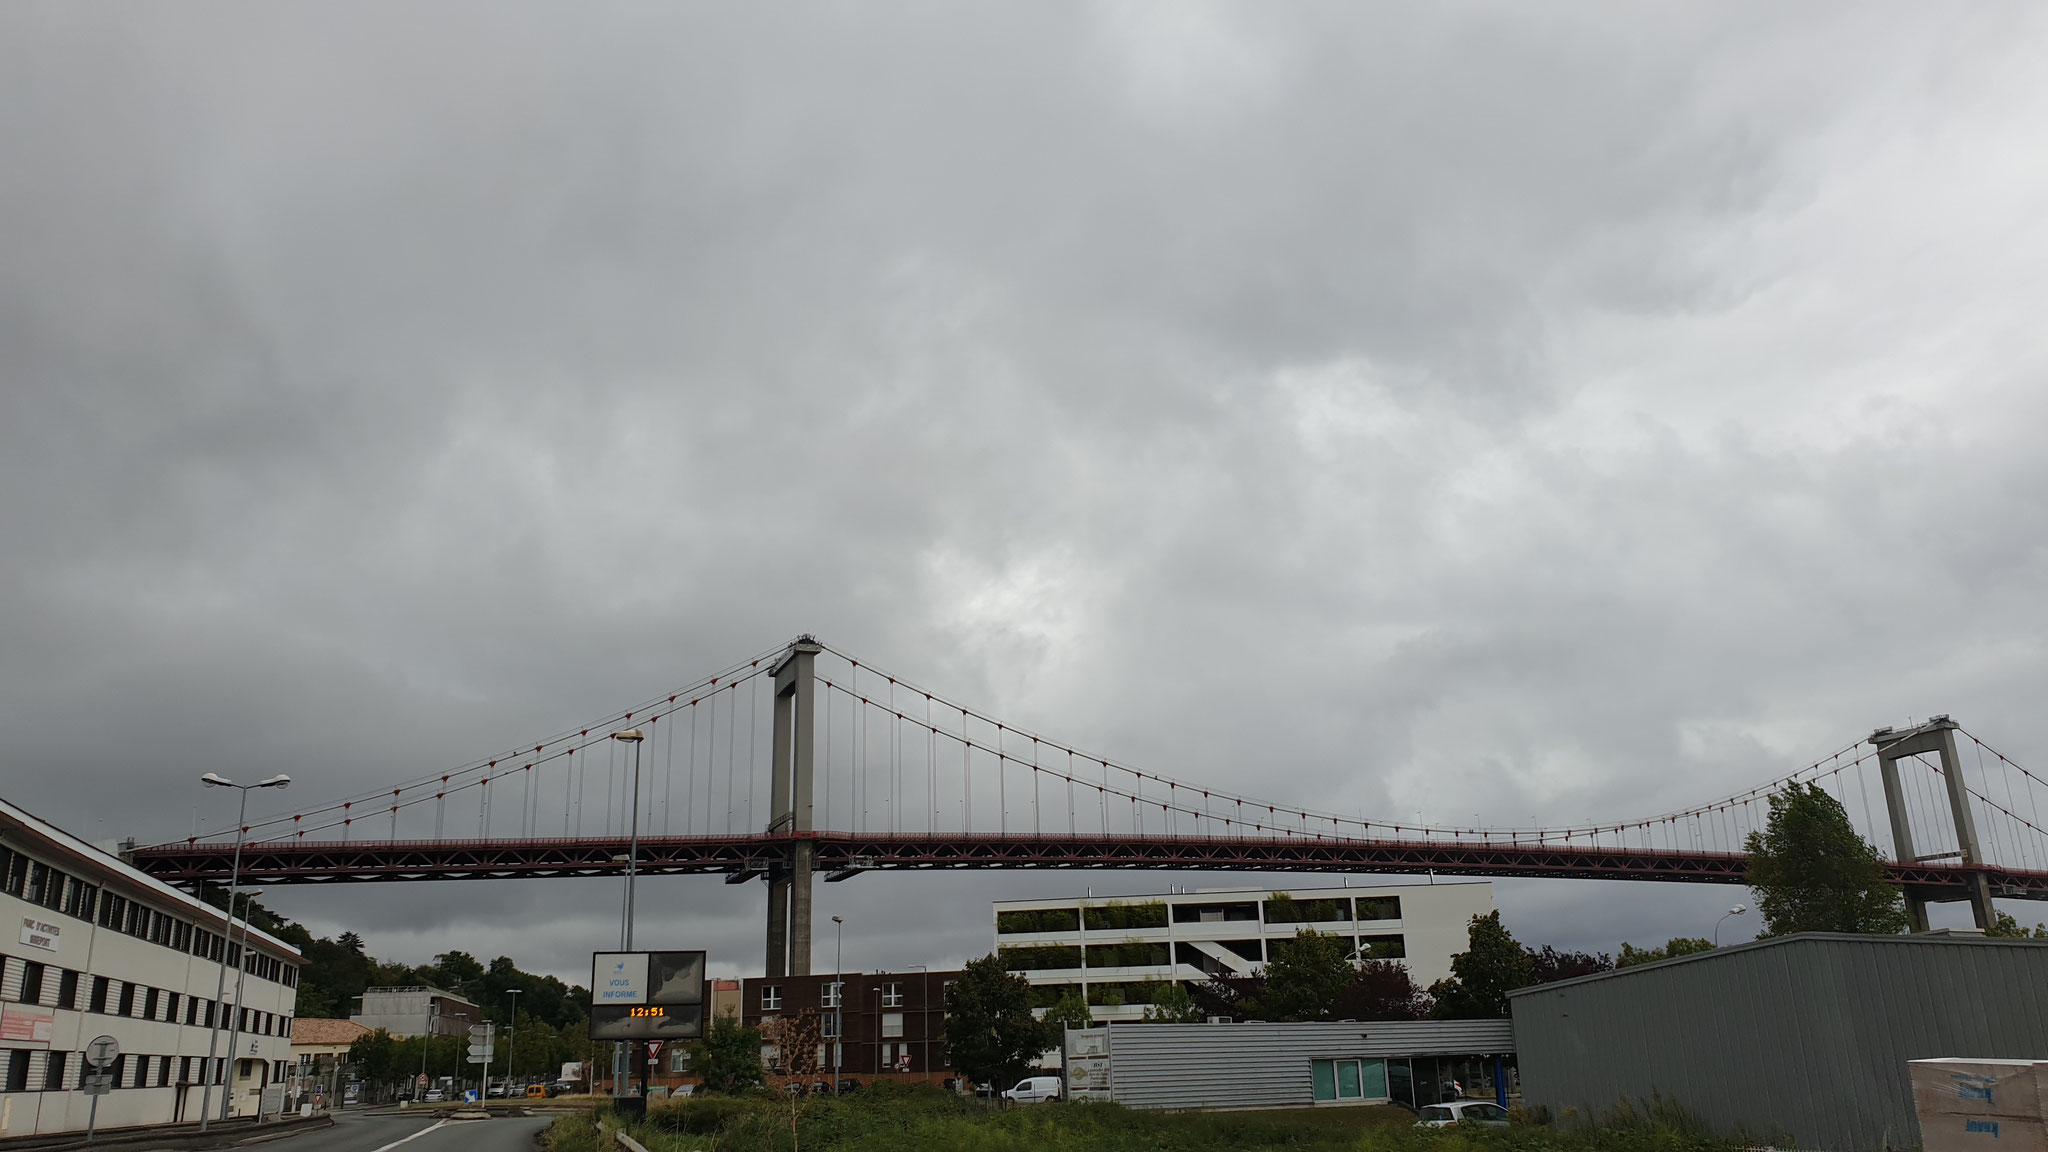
1802, 1039
1272, 1065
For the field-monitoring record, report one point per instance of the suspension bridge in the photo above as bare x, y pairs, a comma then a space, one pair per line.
803, 761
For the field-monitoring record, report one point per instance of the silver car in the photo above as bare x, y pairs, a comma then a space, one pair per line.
1479, 1113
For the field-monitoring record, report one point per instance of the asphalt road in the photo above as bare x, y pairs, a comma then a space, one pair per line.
399, 1132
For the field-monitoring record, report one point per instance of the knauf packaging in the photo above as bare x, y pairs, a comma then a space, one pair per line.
2011, 1089
1947, 1133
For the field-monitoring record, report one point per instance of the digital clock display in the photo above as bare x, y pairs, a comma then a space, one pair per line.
647, 1011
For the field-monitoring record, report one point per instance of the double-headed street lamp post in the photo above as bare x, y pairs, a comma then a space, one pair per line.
511, 1029
622, 1064
838, 995
220, 984
227, 1093
924, 1018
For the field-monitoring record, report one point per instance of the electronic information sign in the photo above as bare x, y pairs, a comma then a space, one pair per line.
647, 995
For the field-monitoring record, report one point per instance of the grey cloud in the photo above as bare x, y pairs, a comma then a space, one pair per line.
1542, 414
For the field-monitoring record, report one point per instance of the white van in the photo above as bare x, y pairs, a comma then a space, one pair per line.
1034, 1090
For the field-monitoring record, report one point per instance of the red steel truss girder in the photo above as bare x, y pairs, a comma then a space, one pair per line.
315, 862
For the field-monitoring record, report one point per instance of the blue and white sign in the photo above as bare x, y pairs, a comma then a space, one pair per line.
618, 978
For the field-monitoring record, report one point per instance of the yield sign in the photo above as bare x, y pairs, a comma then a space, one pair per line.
654, 1048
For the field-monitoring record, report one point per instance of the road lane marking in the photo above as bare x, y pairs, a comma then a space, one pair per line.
414, 1136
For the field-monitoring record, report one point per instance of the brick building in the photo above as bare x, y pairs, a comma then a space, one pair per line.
890, 1024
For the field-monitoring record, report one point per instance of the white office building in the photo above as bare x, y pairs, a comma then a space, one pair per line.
1116, 950
103, 949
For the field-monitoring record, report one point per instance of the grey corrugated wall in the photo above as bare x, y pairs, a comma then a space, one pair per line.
1801, 1039
1267, 1065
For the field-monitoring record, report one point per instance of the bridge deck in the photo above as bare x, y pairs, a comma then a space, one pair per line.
328, 862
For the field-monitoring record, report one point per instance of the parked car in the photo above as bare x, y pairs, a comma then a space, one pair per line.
848, 1086
1478, 1113
1034, 1090
434, 1094
498, 1090
536, 1091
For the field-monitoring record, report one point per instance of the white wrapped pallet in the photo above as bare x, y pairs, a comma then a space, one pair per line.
2006, 1089
1952, 1133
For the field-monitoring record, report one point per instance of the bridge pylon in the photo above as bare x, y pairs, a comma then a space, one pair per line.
791, 808
1937, 735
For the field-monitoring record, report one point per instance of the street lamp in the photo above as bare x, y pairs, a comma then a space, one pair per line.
511, 1030
924, 1018
838, 996
227, 1092
220, 984
1738, 910
621, 1062
419, 1088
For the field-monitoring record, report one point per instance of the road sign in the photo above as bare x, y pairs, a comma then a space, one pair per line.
423, 1079
482, 1055
102, 1051
653, 1048
97, 1085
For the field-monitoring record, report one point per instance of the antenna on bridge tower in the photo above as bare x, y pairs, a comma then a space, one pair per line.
1938, 734
791, 807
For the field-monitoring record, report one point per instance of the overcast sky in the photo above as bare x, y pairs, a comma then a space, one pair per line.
1521, 411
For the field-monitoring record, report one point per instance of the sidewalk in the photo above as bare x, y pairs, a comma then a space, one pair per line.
237, 1133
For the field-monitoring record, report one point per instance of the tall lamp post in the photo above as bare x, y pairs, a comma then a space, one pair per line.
924, 1019
621, 1062
220, 984
1735, 911
838, 995
419, 1087
227, 1092
511, 1031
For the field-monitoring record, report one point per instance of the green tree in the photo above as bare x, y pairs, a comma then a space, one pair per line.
991, 1035
2005, 925
1173, 1005
1069, 1011
375, 1057
1305, 976
728, 1057
1492, 965
1381, 990
1811, 872
1676, 946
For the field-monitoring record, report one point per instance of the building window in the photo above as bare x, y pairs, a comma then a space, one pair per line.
1382, 948
1348, 1079
149, 1004
892, 995
1038, 920
1379, 907
17, 1070
828, 994
771, 997
31, 982
771, 1057
98, 1002
127, 1003
892, 1023
829, 1025
67, 990
679, 1060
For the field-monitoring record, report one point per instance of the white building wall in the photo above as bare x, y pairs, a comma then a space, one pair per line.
92, 951
1433, 926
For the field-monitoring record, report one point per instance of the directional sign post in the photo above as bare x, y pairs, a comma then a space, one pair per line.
101, 1054
482, 1047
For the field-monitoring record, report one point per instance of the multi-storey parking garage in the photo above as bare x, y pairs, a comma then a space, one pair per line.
1118, 951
